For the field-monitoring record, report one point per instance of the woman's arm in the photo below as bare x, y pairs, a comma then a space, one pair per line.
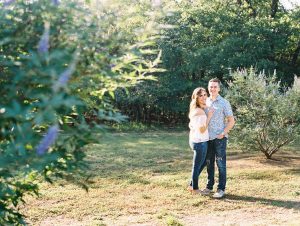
209, 116
194, 113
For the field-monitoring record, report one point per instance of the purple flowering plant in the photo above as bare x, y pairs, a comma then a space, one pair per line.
35, 117
55, 2
44, 113
43, 45
48, 140
8, 2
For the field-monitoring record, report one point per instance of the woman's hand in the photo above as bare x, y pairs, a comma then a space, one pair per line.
202, 129
210, 113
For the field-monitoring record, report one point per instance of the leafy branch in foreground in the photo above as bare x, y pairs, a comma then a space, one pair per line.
50, 76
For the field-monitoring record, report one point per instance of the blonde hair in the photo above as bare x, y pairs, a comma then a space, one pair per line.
194, 103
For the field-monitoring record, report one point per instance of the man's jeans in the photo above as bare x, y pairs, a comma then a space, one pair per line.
216, 152
200, 150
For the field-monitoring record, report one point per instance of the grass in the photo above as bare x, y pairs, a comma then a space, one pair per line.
140, 178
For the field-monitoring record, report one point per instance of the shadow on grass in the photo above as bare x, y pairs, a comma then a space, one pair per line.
239, 155
282, 160
271, 202
293, 171
135, 157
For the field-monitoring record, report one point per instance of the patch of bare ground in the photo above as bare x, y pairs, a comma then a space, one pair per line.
245, 217
259, 161
242, 217
62, 221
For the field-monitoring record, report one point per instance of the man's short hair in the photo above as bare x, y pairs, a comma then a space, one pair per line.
215, 80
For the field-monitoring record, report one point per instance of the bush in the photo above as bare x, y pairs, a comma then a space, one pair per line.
59, 62
42, 131
267, 114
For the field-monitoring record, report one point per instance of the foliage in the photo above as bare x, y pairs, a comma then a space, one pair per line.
59, 62
209, 39
119, 46
267, 116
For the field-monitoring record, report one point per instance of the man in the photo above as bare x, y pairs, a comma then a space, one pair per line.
219, 126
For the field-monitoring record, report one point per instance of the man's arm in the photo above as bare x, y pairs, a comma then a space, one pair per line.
230, 124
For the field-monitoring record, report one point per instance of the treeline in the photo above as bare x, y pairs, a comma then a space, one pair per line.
212, 39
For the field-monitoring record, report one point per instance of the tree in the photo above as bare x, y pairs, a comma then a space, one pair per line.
267, 115
208, 39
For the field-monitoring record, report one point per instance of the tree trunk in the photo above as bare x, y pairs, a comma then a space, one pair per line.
296, 54
254, 13
274, 8
268, 155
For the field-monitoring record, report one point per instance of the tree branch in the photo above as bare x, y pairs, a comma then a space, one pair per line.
275, 149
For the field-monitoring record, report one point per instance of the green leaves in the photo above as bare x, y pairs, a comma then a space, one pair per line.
267, 117
60, 65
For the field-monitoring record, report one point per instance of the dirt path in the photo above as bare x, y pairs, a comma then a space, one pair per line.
246, 216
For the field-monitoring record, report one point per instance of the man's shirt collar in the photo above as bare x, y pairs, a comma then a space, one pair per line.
218, 98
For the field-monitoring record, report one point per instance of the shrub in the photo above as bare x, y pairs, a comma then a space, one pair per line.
267, 114
53, 65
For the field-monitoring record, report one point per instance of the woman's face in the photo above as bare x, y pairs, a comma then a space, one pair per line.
202, 97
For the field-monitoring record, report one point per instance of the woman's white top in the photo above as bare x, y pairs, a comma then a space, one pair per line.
196, 122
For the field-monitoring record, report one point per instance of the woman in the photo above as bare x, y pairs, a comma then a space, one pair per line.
198, 134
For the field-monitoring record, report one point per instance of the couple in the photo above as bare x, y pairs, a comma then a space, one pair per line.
211, 119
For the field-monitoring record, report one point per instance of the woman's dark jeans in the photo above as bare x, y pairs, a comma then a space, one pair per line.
200, 150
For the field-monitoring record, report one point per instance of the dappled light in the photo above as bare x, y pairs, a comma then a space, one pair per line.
149, 112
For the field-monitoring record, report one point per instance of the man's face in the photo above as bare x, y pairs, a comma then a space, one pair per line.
213, 88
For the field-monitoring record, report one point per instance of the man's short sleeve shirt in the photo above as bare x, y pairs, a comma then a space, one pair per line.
222, 110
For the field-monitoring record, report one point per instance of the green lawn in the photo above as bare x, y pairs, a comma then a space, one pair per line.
141, 179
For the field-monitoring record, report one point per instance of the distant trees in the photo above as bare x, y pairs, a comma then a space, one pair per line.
210, 39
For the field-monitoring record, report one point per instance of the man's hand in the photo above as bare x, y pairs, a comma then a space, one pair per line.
221, 136
230, 124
